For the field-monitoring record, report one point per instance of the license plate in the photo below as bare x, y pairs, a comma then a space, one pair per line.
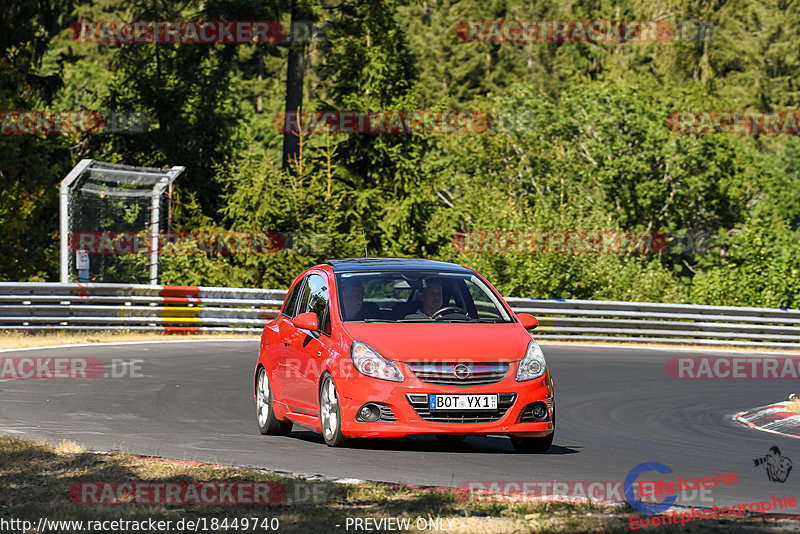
462, 402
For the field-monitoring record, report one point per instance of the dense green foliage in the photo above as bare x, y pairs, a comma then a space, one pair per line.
579, 141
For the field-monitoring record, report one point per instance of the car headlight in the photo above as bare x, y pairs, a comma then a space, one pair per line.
369, 362
533, 364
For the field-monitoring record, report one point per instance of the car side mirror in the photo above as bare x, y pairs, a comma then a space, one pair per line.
528, 321
307, 321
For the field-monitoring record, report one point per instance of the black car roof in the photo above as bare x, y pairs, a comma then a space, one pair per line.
392, 264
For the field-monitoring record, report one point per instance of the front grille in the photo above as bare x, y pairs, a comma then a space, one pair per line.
419, 401
443, 373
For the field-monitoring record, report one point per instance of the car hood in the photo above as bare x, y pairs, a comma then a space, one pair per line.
433, 342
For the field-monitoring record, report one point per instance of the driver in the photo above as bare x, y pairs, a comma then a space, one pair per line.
431, 297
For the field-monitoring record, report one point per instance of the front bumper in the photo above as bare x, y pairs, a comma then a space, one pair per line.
408, 400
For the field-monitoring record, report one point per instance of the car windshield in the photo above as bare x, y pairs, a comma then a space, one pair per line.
418, 296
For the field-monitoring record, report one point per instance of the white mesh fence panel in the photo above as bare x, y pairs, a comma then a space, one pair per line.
103, 205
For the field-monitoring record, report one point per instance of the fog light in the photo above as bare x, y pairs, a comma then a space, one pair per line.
539, 411
369, 412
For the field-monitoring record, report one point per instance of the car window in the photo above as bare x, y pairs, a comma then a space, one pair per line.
397, 296
314, 298
291, 300
326, 321
485, 306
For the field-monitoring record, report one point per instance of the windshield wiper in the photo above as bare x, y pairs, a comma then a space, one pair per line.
376, 321
417, 320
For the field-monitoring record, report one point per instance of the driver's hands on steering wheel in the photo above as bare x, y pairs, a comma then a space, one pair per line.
447, 309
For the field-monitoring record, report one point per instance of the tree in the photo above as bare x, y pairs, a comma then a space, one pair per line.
31, 165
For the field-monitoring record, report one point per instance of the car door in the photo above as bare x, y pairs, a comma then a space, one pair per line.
282, 387
306, 349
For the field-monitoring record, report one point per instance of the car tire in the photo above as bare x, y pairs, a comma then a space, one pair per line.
330, 414
533, 445
268, 424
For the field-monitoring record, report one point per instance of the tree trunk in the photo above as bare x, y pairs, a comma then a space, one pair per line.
294, 86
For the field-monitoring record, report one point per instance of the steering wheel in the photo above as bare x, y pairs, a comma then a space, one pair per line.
447, 309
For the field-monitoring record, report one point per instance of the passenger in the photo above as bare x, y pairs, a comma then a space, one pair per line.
353, 306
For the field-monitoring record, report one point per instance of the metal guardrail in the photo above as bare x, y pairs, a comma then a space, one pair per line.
187, 309
592, 320
178, 309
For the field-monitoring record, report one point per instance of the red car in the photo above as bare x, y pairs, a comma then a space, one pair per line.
384, 347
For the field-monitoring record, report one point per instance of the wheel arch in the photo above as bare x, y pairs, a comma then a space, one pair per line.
259, 366
324, 374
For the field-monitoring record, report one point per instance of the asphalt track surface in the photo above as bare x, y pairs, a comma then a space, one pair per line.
616, 408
